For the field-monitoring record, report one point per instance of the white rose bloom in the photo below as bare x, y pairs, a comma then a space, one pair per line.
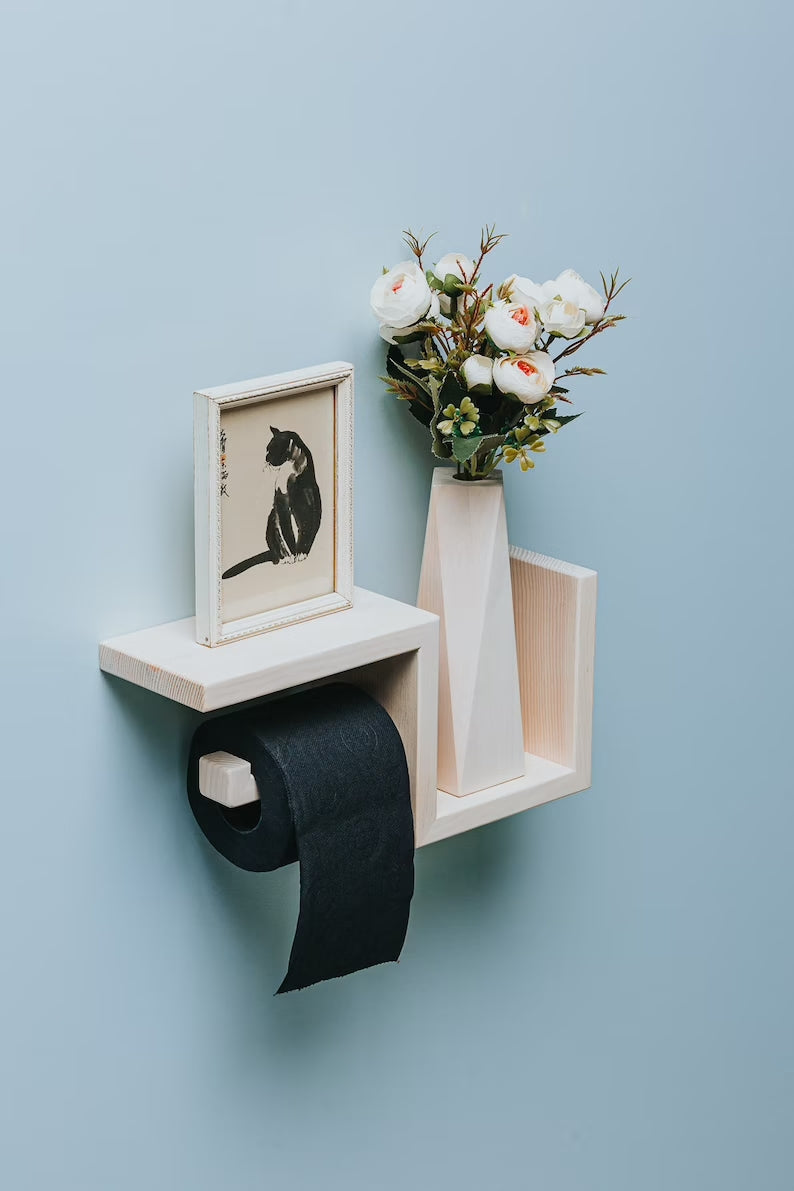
454, 263
401, 297
573, 288
511, 326
566, 318
526, 377
398, 335
477, 371
521, 289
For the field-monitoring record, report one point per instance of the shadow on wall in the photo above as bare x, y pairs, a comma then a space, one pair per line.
473, 866
252, 910
243, 923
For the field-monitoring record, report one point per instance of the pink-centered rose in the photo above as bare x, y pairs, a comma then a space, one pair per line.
528, 377
511, 326
401, 297
413, 333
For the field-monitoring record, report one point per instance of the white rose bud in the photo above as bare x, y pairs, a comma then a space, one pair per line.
573, 288
456, 265
478, 373
401, 297
410, 334
563, 318
511, 326
526, 377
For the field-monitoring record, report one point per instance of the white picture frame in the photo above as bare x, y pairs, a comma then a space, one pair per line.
216, 622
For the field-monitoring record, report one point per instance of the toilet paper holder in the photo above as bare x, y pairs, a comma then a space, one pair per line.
227, 779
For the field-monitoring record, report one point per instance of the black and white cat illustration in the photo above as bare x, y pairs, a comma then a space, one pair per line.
297, 510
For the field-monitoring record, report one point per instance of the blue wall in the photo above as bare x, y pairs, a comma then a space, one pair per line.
595, 996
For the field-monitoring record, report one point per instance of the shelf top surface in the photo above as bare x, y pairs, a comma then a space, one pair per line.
168, 660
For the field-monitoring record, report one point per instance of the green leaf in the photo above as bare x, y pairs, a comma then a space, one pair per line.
421, 412
577, 371
394, 361
442, 448
464, 448
452, 391
563, 420
452, 285
490, 442
395, 367
433, 281
410, 336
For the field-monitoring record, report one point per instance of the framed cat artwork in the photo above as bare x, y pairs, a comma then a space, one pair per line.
273, 501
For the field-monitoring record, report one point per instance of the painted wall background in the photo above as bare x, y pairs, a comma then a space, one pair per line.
595, 996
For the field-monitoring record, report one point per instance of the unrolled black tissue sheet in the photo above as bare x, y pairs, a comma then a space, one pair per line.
335, 795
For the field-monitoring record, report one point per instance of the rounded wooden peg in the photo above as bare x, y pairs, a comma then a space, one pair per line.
227, 779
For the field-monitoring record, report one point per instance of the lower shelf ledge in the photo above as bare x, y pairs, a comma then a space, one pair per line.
543, 781
554, 604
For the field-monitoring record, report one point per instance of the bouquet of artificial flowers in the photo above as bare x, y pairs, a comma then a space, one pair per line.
481, 367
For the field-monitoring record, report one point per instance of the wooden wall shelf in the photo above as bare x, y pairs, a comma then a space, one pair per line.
390, 650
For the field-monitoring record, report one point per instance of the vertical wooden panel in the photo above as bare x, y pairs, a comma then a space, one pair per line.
554, 608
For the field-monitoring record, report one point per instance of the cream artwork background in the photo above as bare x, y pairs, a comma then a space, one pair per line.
248, 493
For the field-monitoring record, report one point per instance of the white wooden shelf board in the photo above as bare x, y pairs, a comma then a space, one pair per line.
167, 659
543, 781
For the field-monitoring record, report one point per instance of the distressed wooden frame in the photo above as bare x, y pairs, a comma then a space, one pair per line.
211, 629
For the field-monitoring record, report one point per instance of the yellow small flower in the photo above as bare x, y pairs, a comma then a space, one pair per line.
463, 420
524, 446
447, 426
533, 422
520, 453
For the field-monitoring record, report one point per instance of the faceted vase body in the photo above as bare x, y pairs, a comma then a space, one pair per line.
465, 580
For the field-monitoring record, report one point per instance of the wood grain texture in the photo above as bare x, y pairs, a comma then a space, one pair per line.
168, 661
465, 580
554, 605
227, 779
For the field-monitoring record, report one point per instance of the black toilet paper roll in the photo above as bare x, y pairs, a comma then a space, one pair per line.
334, 794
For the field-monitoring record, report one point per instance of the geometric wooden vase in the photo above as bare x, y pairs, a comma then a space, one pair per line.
465, 580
